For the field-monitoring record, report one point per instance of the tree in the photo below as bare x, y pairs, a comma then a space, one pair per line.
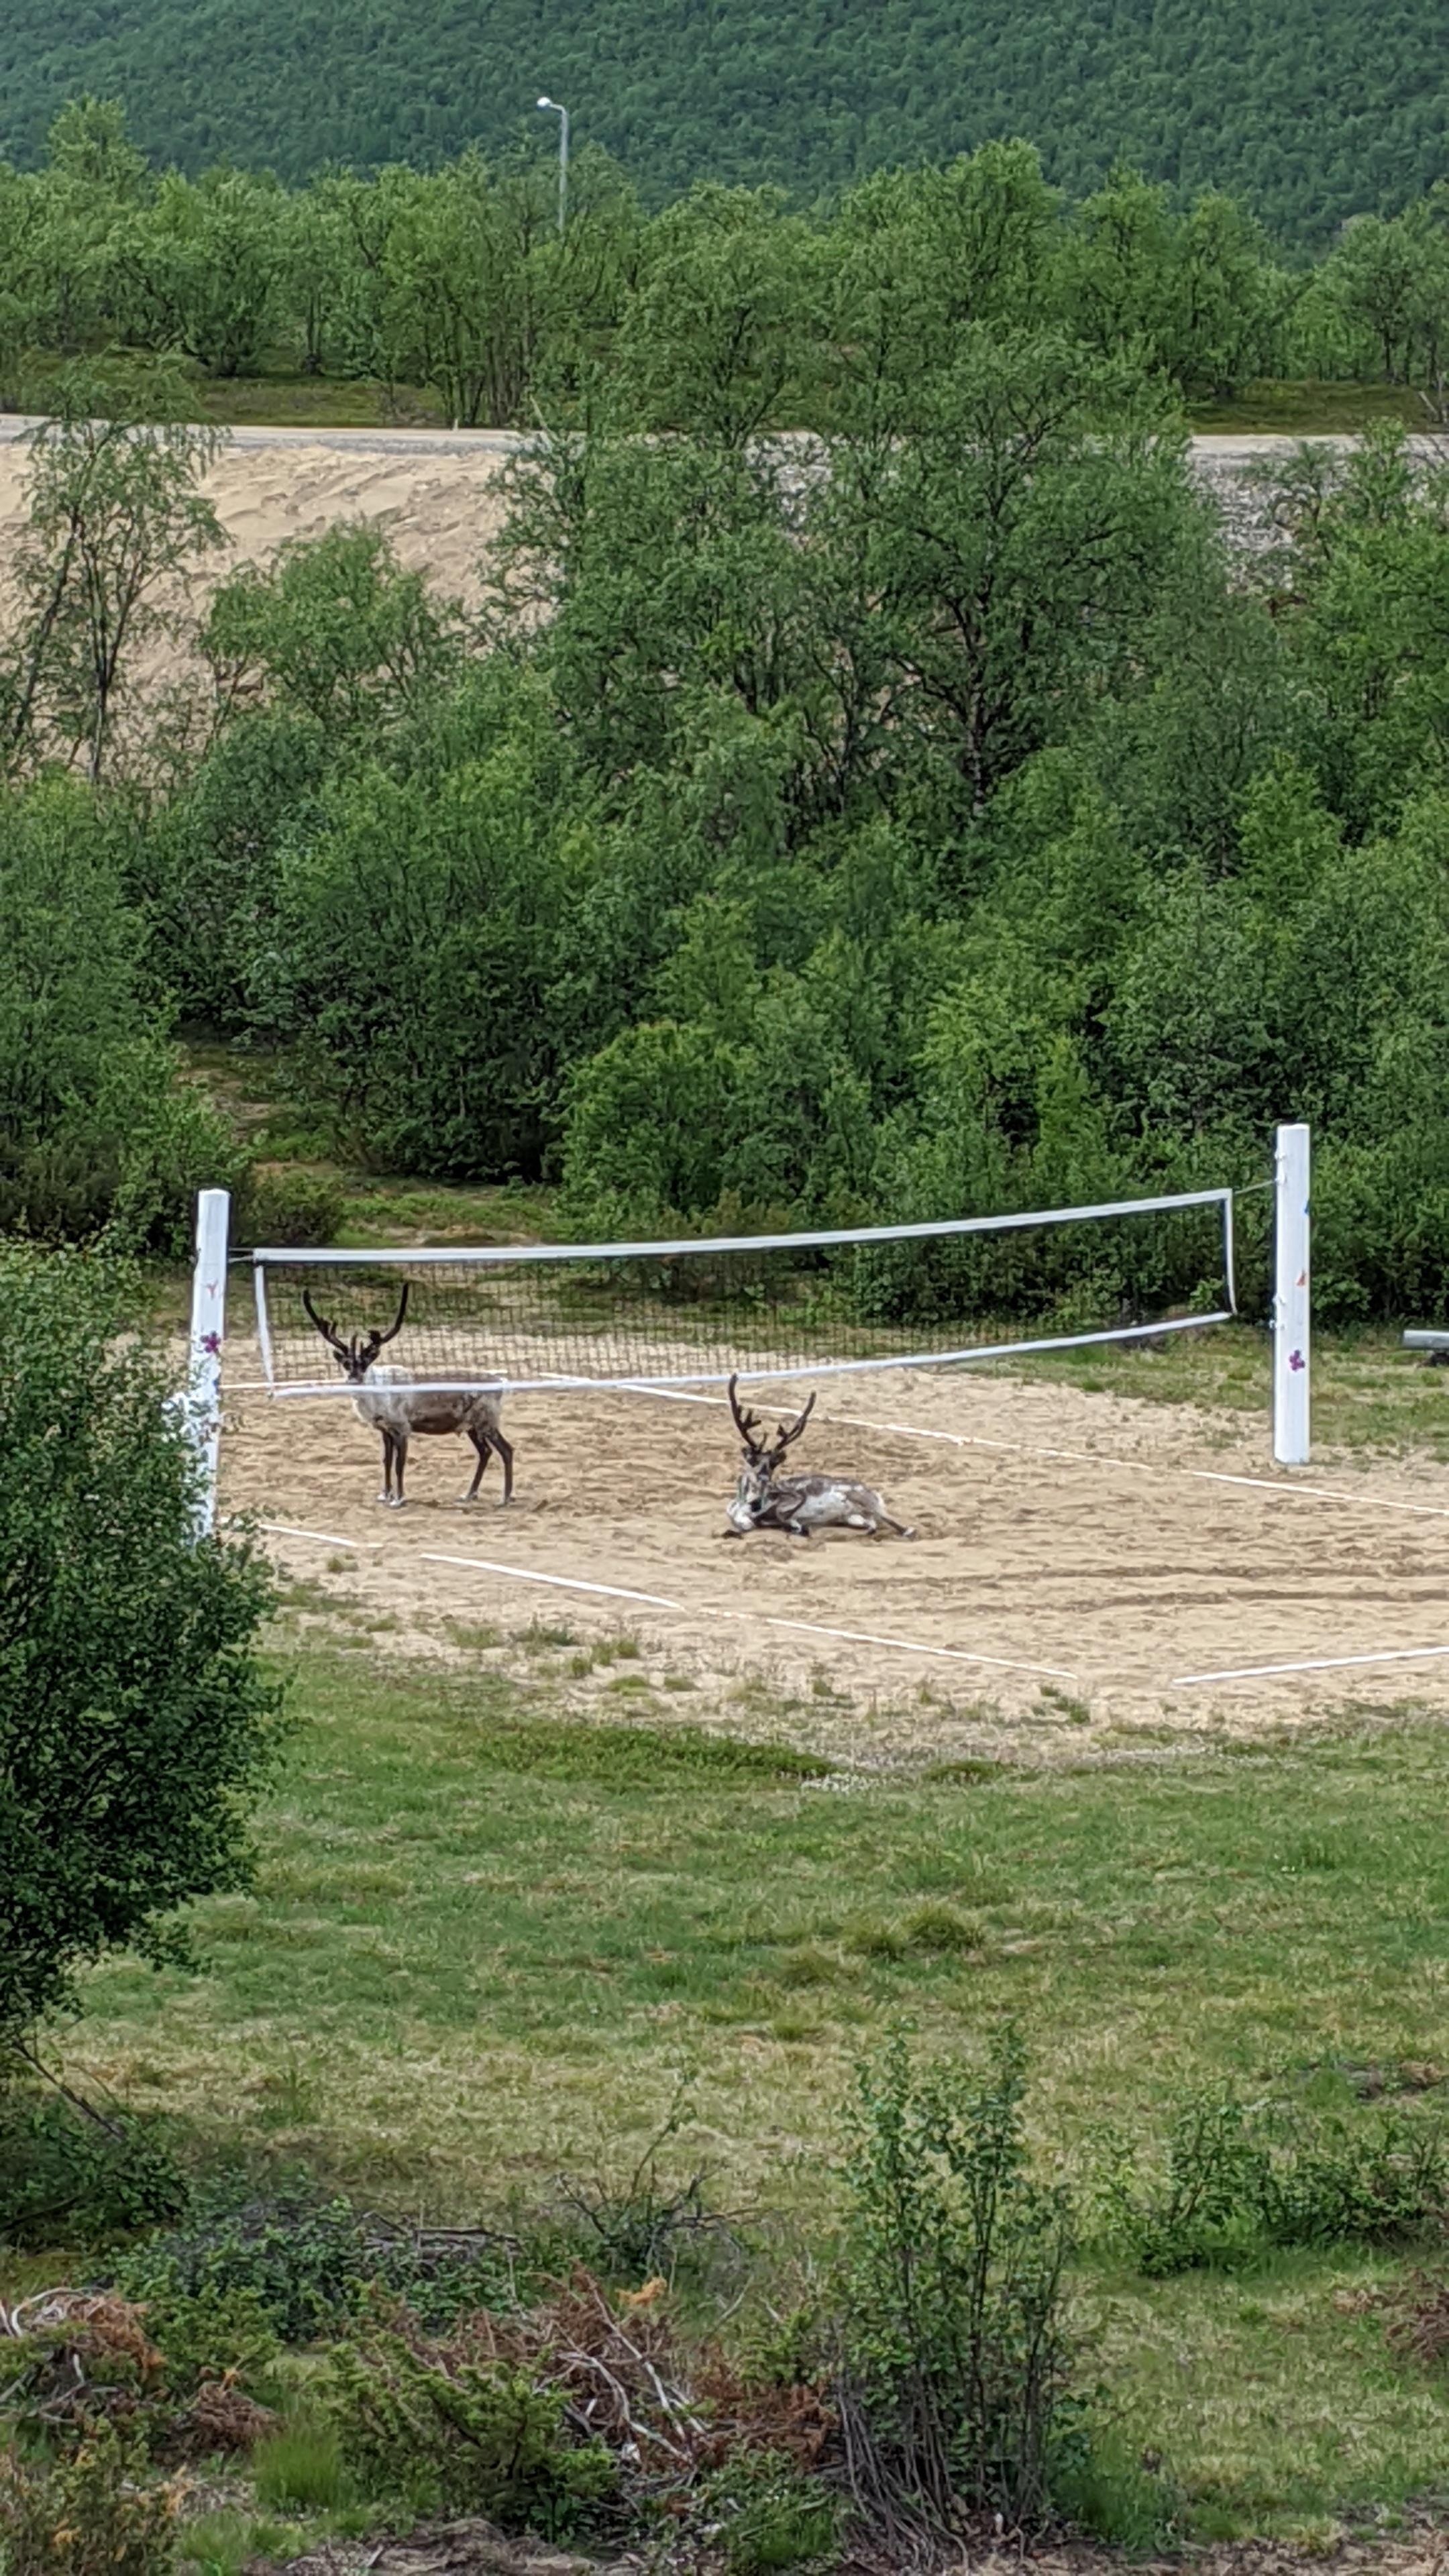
334, 628
1019, 548
1375, 278
95, 1128
460, 279
201, 269
89, 143
115, 521
720, 336
914, 257
135, 1718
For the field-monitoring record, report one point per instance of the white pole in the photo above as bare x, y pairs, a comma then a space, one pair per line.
551, 107
1291, 1300
208, 1326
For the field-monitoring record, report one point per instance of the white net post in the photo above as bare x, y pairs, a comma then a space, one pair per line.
208, 1326
1291, 1299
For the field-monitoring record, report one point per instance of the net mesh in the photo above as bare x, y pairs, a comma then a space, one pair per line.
697, 1313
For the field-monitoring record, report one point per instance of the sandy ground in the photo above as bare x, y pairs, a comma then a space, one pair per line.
438, 502
1080, 1560
435, 491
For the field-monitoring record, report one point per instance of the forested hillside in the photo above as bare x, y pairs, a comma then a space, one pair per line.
1308, 113
936, 820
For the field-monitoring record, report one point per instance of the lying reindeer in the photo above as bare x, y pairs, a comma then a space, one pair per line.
766, 1500
397, 1415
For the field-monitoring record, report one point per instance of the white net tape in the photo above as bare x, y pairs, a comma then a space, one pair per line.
691, 1313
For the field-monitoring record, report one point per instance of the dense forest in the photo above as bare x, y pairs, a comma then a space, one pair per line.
930, 816
458, 280
1308, 114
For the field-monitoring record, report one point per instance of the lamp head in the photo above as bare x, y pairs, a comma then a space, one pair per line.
545, 102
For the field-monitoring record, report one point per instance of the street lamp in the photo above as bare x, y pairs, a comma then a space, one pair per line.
552, 108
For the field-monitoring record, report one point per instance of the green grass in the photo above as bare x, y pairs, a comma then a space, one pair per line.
486, 1948
1301, 408
279, 398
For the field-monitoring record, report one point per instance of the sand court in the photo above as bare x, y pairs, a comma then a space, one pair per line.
1144, 1562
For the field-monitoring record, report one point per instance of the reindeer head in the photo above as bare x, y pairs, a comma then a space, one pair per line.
762, 1457
355, 1356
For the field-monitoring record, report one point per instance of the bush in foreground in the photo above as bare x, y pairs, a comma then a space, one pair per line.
134, 1715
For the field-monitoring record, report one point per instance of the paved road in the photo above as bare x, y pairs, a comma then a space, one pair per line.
364, 442
1213, 448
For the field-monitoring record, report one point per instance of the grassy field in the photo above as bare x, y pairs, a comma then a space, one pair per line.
1305, 409
486, 1948
280, 398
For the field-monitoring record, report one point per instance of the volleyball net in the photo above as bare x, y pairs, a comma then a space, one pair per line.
695, 1313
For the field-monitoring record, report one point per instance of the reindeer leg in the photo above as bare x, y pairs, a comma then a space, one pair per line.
386, 1495
400, 1458
484, 1447
505, 1452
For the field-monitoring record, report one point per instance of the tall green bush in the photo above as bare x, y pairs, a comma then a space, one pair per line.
959, 2359
96, 1127
135, 1718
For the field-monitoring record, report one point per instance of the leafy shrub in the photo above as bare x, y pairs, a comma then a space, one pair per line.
300, 2260
211, 2334
204, 873
957, 2362
1206, 2206
281, 1205
450, 2427
93, 2512
308, 2261
64, 2174
95, 1125
127, 1662
1238, 2180
418, 913
334, 629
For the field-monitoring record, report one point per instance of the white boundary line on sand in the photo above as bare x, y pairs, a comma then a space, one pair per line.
319, 1538
745, 1618
1318, 1664
1278, 1485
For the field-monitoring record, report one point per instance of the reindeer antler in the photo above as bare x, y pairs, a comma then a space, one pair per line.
329, 1332
396, 1325
784, 1436
746, 1424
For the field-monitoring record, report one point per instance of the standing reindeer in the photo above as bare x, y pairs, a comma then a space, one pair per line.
397, 1415
764, 1499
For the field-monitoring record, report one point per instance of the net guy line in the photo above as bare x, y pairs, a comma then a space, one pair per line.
746, 1618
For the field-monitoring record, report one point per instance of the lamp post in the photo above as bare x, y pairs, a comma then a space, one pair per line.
551, 108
